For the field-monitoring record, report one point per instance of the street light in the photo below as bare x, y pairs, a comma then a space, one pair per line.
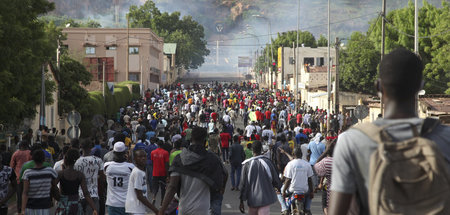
270, 44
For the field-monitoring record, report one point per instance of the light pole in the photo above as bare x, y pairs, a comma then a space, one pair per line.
296, 60
270, 46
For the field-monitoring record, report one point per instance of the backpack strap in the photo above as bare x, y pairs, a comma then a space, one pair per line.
371, 130
428, 125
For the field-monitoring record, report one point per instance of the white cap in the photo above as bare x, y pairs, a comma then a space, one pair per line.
119, 147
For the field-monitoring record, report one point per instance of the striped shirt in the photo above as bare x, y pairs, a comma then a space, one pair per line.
40, 180
323, 169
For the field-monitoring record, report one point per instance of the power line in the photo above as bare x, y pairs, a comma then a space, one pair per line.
410, 35
308, 27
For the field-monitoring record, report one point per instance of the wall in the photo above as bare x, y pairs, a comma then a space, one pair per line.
112, 42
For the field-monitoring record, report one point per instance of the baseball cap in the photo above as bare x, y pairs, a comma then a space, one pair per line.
120, 147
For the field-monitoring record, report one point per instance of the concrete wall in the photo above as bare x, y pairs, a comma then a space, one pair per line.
149, 44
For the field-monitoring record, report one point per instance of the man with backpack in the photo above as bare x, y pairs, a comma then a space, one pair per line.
401, 159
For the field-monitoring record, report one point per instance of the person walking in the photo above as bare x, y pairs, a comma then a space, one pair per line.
237, 156
118, 174
19, 158
38, 182
259, 181
70, 180
136, 202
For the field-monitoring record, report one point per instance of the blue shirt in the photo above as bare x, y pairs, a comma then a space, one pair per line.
300, 136
316, 151
149, 135
149, 150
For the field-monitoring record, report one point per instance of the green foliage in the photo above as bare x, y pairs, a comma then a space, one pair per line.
62, 21
24, 48
433, 50
186, 32
107, 106
322, 41
358, 64
72, 95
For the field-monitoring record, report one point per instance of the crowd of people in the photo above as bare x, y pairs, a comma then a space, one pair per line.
185, 142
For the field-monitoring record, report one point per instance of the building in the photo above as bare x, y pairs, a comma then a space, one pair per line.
95, 46
312, 67
170, 71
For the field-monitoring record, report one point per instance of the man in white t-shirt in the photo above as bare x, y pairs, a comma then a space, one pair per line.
92, 168
137, 202
118, 174
298, 173
249, 129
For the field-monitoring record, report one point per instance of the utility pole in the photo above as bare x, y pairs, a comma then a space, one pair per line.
271, 52
336, 80
329, 71
296, 59
42, 106
217, 52
58, 53
128, 47
383, 23
416, 43
103, 88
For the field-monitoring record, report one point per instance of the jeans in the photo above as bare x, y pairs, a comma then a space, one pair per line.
306, 202
225, 154
86, 208
149, 176
216, 203
235, 170
116, 210
19, 196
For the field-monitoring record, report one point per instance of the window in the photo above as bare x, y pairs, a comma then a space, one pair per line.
132, 76
308, 60
111, 48
90, 50
320, 61
134, 50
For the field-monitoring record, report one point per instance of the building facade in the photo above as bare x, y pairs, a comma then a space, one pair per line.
95, 46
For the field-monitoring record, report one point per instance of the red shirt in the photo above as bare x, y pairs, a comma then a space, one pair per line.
204, 100
159, 157
258, 115
242, 105
268, 113
257, 137
299, 118
224, 139
214, 116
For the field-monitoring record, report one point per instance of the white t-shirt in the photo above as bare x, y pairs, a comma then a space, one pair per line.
226, 118
268, 133
89, 166
249, 129
117, 176
137, 181
298, 171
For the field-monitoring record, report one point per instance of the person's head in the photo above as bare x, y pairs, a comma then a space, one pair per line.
70, 157
86, 144
75, 143
140, 157
198, 135
257, 147
120, 151
177, 144
235, 139
23, 145
297, 152
400, 75
38, 156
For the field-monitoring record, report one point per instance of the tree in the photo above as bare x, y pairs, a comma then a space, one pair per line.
72, 94
24, 50
186, 32
433, 41
358, 64
322, 41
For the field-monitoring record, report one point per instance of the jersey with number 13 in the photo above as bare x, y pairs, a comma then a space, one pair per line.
118, 175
